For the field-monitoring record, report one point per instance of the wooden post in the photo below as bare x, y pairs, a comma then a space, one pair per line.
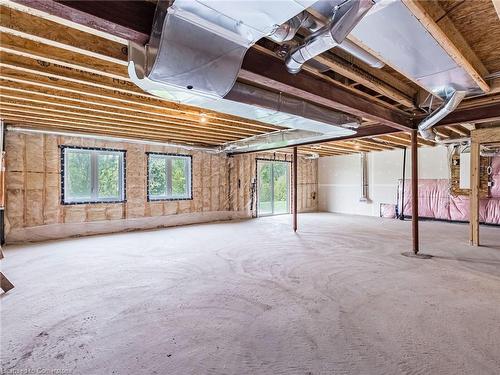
414, 190
474, 194
295, 162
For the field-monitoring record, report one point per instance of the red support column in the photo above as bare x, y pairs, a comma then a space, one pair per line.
414, 190
295, 162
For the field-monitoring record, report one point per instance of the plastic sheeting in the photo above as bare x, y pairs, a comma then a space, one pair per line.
436, 202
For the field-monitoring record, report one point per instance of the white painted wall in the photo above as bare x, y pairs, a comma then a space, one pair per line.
339, 178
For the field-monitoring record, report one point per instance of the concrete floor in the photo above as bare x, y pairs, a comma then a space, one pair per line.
254, 298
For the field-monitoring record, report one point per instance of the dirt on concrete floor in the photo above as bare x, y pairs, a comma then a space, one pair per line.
253, 297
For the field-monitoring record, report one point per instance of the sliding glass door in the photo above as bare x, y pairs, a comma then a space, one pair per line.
273, 187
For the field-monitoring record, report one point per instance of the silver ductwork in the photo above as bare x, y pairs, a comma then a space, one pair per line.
345, 17
361, 54
195, 53
286, 31
452, 99
390, 31
197, 46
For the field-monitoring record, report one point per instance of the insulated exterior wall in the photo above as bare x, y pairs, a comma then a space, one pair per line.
33, 190
244, 171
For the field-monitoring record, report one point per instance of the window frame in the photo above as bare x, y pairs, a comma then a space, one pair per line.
169, 156
94, 151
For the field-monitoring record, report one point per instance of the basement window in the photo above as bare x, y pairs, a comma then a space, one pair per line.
169, 177
92, 175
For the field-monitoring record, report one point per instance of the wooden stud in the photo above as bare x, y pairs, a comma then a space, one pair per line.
474, 195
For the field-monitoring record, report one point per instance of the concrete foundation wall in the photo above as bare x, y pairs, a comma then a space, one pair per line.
33, 190
340, 178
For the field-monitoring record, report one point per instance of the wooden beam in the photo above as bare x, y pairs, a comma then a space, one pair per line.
374, 143
49, 32
484, 113
175, 128
354, 73
405, 136
484, 136
111, 131
331, 78
396, 142
364, 146
139, 132
15, 44
433, 28
475, 180
257, 68
307, 87
496, 4
130, 20
93, 112
460, 130
103, 94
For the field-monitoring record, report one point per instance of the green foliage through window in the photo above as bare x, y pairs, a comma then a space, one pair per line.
93, 175
169, 177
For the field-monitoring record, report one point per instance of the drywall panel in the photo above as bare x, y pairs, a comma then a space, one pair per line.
339, 178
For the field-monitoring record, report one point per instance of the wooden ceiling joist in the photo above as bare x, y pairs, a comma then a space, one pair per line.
83, 127
54, 34
56, 118
59, 36
58, 76
173, 126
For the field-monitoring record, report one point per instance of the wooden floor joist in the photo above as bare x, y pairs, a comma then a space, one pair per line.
55, 74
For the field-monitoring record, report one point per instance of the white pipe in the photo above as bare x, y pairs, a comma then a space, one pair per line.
364, 179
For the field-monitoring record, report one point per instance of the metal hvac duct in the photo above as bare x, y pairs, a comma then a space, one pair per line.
345, 16
452, 99
195, 53
287, 30
391, 31
361, 54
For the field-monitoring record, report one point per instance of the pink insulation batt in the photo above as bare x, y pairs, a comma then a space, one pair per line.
436, 202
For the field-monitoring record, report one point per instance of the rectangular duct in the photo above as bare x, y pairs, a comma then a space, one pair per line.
195, 54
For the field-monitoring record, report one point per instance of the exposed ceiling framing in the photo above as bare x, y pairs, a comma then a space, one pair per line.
63, 67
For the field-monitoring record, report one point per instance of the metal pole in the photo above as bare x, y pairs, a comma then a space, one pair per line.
295, 162
414, 190
402, 213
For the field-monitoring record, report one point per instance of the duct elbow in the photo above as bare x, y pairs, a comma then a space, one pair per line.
452, 100
294, 61
287, 30
343, 20
428, 134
